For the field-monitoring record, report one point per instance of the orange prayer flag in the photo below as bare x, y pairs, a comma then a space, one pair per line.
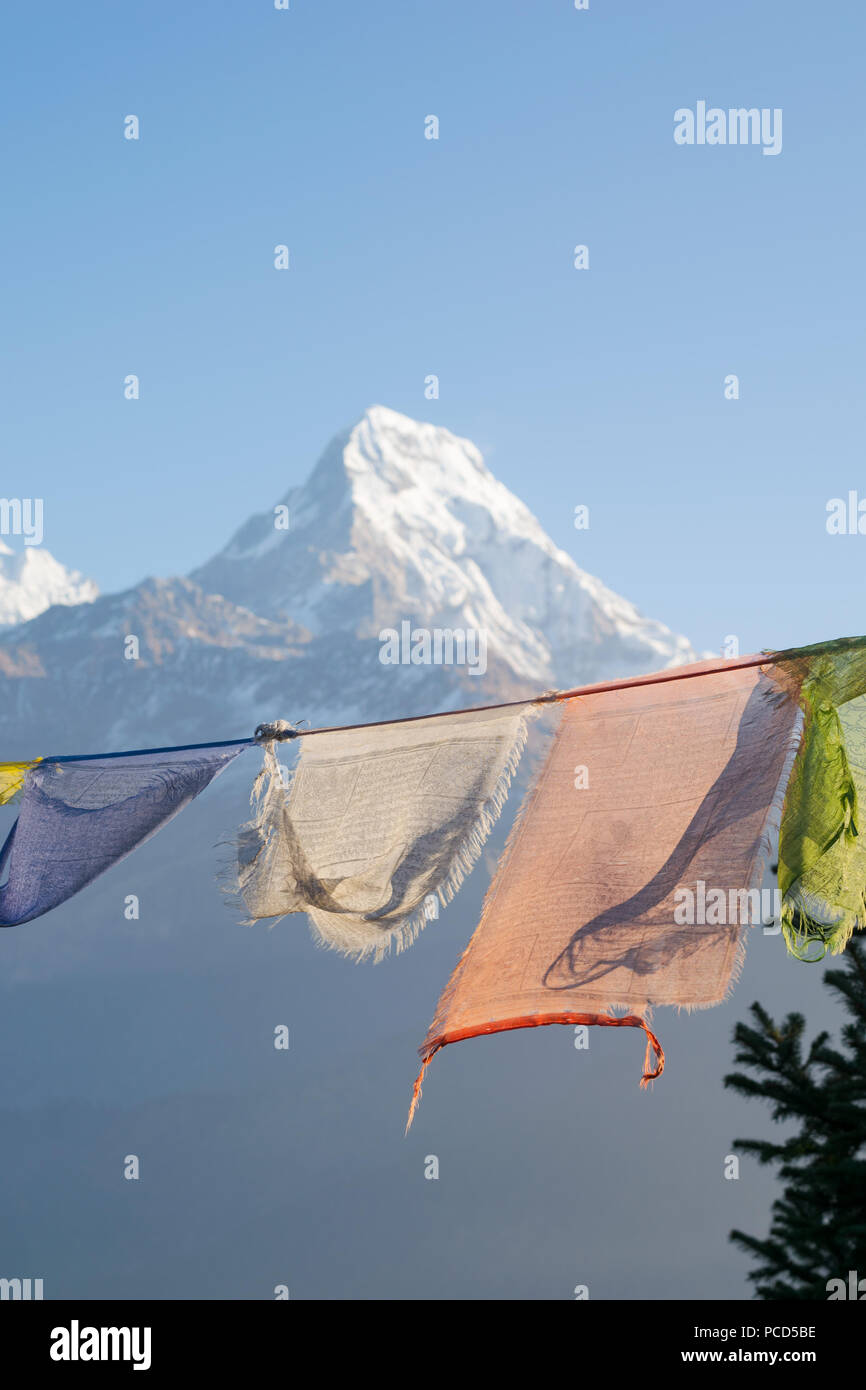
636, 861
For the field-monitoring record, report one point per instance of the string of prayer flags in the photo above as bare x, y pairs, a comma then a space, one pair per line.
689, 775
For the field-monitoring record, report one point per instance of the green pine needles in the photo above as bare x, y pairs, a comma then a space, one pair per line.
817, 1236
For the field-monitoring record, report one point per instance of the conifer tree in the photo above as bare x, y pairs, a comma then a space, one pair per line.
818, 1227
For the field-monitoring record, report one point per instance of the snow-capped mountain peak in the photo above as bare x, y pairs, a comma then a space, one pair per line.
31, 580
403, 520
399, 526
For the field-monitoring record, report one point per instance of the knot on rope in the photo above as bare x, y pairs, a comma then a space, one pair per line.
277, 731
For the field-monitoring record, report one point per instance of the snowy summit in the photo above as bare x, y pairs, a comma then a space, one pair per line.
31, 580
401, 520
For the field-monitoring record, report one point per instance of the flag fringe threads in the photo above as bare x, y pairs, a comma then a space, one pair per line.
429, 1049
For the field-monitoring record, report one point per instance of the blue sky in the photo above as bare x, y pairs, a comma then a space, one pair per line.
452, 257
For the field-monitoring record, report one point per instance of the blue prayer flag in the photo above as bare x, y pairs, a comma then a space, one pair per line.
81, 815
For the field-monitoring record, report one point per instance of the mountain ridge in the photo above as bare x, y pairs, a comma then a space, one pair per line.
398, 523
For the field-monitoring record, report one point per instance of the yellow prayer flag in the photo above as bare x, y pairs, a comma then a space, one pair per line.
12, 779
